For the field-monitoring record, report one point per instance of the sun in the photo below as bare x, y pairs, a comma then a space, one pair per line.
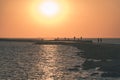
49, 8
50, 13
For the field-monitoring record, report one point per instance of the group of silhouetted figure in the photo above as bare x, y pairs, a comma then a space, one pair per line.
99, 40
69, 39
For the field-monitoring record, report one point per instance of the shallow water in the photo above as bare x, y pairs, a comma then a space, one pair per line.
27, 61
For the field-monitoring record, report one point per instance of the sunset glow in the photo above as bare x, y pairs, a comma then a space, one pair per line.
59, 39
51, 18
48, 8
50, 13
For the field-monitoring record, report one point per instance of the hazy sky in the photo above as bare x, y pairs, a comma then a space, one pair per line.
87, 18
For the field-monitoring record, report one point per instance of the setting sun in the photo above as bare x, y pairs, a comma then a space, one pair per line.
49, 13
59, 18
49, 8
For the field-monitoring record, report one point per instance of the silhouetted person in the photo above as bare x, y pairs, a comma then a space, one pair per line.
81, 38
74, 38
100, 40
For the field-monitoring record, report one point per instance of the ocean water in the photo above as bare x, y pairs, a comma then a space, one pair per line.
27, 61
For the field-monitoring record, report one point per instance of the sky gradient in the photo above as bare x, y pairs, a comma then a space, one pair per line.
87, 18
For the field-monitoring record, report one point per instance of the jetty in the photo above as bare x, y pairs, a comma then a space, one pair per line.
62, 42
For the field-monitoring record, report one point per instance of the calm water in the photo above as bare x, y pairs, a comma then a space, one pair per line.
27, 61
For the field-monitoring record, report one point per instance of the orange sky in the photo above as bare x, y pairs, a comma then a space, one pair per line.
87, 18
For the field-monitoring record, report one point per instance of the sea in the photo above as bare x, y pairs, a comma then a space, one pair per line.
29, 61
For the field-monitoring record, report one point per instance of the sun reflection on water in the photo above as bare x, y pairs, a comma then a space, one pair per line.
48, 65
57, 62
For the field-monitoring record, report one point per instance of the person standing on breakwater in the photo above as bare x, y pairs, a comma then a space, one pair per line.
74, 38
99, 40
81, 38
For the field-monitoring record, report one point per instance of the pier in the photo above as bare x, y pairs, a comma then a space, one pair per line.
63, 42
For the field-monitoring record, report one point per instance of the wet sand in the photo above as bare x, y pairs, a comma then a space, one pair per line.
105, 57
100, 51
